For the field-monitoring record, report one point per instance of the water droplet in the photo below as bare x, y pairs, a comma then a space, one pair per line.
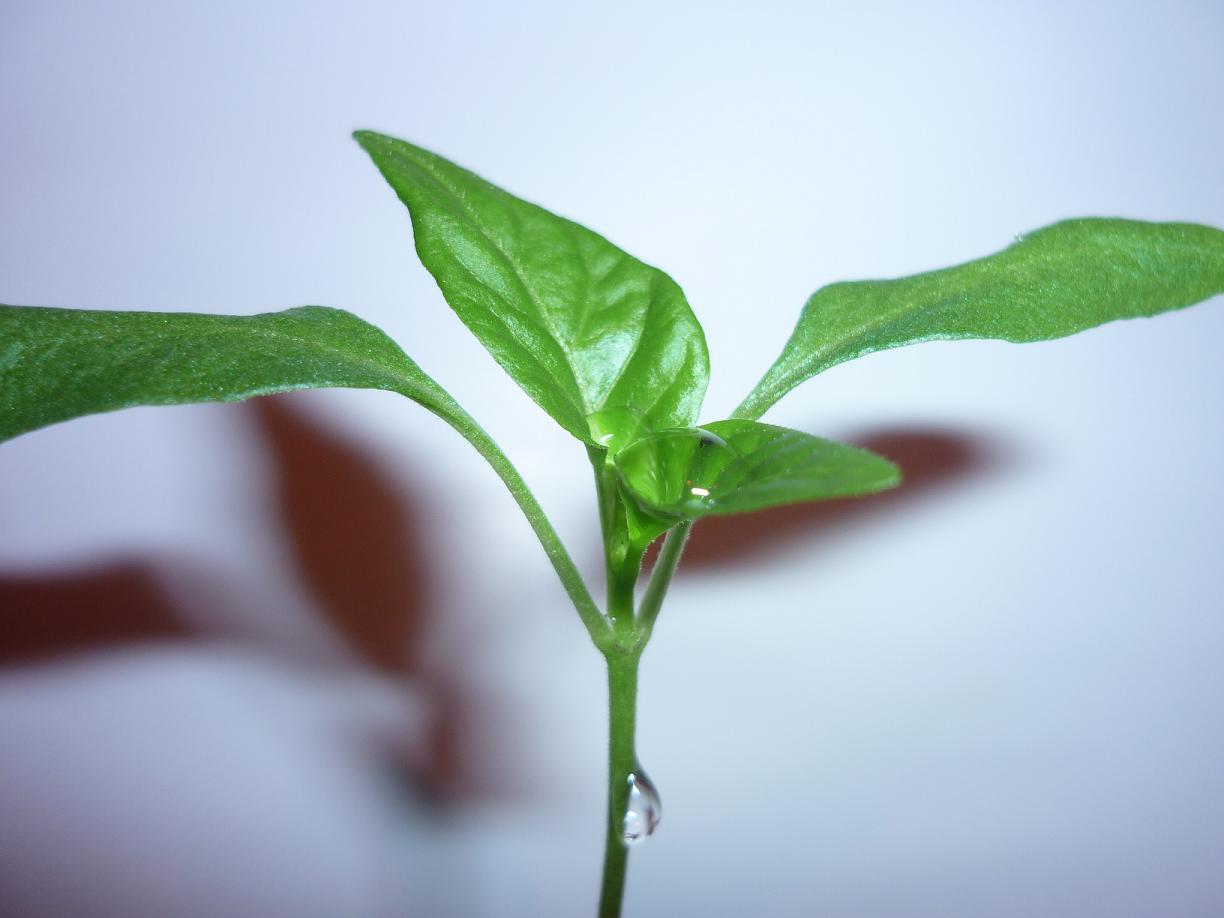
676, 472
615, 428
643, 810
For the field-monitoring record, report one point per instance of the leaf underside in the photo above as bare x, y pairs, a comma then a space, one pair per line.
583, 327
1053, 282
57, 364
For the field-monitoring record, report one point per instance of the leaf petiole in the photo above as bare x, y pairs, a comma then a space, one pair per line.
596, 623
660, 581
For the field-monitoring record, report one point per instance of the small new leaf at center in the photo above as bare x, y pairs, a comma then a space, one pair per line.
738, 466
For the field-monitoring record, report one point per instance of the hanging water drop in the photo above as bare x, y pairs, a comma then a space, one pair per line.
643, 809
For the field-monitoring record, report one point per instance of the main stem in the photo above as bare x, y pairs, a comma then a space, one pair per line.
622, 649
622, 762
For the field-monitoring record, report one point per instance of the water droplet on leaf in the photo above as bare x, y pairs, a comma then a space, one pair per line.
676, 472
643, 809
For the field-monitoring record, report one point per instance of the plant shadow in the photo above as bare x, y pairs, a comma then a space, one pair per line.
931, 460
357, 547
356, 540
85, 609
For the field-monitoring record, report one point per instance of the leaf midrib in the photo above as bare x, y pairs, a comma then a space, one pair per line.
542, 317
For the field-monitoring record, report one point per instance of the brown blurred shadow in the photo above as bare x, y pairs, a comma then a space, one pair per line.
352, 534
358, 545
43, 615
357, 542
930, 460
356, 539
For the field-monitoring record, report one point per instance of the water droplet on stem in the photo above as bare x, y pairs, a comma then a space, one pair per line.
643, 808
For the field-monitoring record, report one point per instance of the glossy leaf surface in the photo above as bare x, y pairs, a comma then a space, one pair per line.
57, 364
1054, 282
739, 466
583, 327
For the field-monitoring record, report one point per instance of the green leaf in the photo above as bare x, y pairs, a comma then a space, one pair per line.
1054, 282
739, 466
57, 364
584, 328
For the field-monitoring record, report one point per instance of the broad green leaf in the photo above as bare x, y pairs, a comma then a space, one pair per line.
57, 364
1054, 282
584, 328
738, 466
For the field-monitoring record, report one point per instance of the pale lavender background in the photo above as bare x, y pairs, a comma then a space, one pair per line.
1005, 700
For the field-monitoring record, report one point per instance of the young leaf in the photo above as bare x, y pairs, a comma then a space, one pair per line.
1054, 282
737, 466
57, 364
583, 327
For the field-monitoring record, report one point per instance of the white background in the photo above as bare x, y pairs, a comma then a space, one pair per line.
997, 697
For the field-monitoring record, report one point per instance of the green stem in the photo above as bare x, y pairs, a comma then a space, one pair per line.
622, 762
596, 624
605, 489
660, 580
623, 560
764, 395
758, 401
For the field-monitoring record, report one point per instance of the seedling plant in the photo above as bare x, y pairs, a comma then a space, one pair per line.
607, 346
